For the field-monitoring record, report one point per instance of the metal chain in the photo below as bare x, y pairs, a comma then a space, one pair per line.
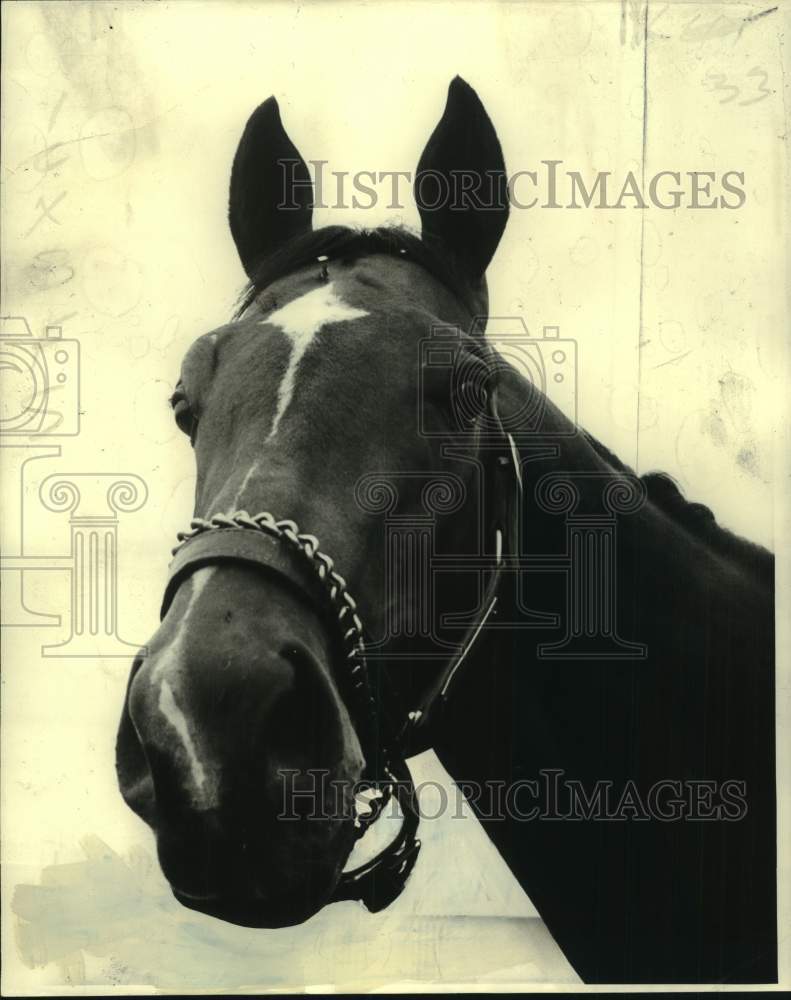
340, 599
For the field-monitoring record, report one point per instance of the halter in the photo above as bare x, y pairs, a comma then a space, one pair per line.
278, 547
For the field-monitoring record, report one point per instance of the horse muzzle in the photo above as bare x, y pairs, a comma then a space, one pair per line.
272, 880
234, 699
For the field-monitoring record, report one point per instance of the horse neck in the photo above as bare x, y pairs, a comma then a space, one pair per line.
681, 538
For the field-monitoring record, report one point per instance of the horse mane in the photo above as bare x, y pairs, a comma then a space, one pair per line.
696, 518
345, 244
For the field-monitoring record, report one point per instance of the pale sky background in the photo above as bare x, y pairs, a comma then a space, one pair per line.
119, 235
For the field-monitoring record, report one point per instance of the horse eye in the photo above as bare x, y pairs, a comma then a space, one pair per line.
470, 400
474, 393
182, 413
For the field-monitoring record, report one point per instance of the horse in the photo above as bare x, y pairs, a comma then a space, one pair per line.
357, 379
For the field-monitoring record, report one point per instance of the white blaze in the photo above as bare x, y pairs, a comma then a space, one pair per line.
239, 493
172, 656
301, 320
174, 715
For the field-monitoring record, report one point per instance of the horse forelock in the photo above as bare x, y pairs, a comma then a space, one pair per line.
345, 244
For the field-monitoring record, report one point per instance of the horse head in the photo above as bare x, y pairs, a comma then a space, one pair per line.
315, 385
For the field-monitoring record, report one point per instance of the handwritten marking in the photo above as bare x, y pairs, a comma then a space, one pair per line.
46, 211
760, 14
672, 361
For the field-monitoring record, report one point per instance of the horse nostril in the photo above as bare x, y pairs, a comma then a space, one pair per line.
307, 719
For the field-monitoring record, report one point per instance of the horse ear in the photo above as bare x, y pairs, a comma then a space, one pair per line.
271, 197
461, 186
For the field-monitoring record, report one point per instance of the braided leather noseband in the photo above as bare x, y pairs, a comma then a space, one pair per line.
278, 546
